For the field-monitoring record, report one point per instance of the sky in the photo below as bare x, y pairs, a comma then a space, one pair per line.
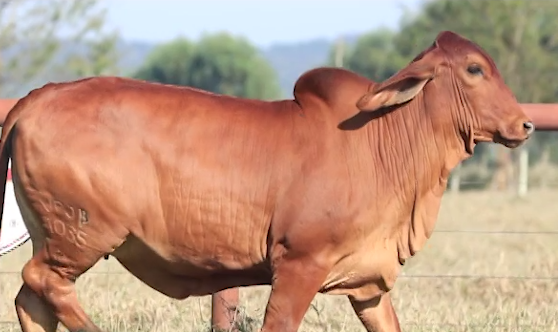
263, 22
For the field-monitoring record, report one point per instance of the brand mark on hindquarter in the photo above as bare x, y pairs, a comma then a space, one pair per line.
62, 219
73, 234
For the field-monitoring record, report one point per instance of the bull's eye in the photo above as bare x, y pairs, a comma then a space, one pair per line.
474, 69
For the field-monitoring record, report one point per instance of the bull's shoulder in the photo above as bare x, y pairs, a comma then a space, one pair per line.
335, 87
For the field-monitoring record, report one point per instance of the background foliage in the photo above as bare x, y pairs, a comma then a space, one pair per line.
54, 40
219, 62
33, 51
520, 35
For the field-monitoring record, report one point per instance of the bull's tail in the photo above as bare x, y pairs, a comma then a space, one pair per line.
5, 150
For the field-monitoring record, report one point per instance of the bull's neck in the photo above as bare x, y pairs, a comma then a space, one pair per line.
420, 145
415, 152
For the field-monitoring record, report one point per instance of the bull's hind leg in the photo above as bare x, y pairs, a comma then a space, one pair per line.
62, 252
34, 314
48, 295
46, 280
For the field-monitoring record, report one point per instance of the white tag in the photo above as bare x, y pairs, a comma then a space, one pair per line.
13, 232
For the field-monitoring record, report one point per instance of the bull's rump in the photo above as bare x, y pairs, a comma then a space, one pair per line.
194, 184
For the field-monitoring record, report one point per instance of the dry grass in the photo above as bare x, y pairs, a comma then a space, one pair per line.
122, 303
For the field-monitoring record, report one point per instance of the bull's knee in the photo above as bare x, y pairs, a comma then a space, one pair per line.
32, 276
37, 277
49, 284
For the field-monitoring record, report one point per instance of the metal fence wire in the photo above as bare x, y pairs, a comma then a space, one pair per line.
437, 326
411, 276
447, 327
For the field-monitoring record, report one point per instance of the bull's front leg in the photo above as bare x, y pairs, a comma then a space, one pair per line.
377, 314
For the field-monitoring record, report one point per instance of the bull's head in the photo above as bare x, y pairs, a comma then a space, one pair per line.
458, 77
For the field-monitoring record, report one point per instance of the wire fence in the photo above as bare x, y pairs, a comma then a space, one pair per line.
508, 232
433, 276
404, 275
431, 327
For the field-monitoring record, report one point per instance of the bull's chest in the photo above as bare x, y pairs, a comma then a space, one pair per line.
370, 271
395, 235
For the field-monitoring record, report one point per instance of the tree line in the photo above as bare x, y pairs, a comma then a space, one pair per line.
519, 35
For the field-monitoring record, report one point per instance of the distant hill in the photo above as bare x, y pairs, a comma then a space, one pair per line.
289, 60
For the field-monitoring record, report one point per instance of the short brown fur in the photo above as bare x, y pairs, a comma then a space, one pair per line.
195, 192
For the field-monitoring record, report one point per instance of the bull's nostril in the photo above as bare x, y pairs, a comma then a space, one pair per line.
529, 127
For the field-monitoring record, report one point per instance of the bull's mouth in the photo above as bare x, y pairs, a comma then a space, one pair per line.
510, 142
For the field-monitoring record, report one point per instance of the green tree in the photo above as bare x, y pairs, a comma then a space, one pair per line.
169, 63
219, 63
46, 39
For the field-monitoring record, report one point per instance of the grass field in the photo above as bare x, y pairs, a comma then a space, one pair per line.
122, 303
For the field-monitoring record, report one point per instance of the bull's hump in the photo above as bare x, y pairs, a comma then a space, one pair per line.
337, 88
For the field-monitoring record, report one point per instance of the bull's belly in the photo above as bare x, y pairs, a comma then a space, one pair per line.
201, 240
176, 274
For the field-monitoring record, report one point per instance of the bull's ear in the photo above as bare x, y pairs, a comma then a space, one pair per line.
406, 84
398, 89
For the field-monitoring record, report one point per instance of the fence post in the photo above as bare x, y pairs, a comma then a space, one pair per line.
339, 52
455, 179
224, 309
523, 181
